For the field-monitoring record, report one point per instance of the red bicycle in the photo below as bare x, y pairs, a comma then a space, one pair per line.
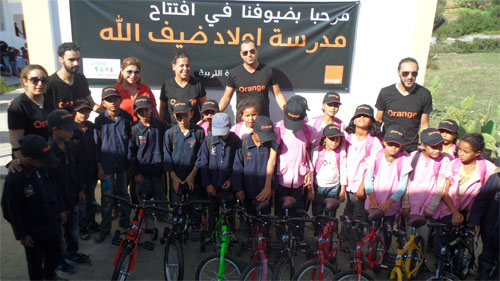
323, 267
125, 258
376, 249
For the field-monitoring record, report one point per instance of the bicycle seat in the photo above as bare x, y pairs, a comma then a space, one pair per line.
224, 197
260, 205
287, 202
331, 204
375, 214
416, 220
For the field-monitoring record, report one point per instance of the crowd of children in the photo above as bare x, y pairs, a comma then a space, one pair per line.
255, 159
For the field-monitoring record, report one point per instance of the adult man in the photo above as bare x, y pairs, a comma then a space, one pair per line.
405, 104
252, 79
67, 84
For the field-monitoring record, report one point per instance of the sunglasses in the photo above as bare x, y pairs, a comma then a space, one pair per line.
36, 80
406, 73
137, 72
245, 53
334, 138
208, 112
180, 116
394, 144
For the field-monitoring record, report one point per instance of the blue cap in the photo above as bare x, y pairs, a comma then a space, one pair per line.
220, 124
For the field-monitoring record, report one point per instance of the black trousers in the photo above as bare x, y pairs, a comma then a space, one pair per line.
43, 258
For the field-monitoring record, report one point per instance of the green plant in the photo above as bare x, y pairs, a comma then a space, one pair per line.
470, 21
470, 121
4, 88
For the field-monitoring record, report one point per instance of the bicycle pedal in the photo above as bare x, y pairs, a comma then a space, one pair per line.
195, 235
150, 246
383, 266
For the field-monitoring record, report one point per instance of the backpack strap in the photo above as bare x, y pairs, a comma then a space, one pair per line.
237, 127
244, 150
378, 158
210, 141
482, 169
171, 135
321, 158
414, 162
369, 144
135, 134
317, 122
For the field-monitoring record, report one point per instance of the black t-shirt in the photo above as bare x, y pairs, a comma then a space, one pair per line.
255, 84
405, 111
24, 114
171, 91
63, 95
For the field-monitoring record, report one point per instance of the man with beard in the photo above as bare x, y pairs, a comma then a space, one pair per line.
67, 84
405, 104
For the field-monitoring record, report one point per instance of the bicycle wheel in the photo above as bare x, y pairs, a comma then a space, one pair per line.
311, 269
444, 276
254, 272
123, 265
209, 267
416, 256
351, 275
284, 269
173, 261
462, 259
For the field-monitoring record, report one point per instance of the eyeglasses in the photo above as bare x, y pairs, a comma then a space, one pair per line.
406, 73
137, 72
245, 53
35, 80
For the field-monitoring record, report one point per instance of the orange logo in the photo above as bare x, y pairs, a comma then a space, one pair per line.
179, 104
141, 99
435, 133
448, 122
396, 132
266, 127
293, 115
406, 114
210, 102
65, 104
40, 124
363, 107
334, 74
257, 88
45, 149
66, 116
110, 89
84, 101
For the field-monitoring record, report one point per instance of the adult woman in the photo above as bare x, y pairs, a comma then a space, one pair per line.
28, 113
181, 86
130, 86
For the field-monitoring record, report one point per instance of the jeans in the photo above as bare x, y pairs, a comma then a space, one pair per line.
321, 193
296, 193
114, 184
88, 209
70, 233
195, 210
151, 187
43, 258
354, 208
488, 259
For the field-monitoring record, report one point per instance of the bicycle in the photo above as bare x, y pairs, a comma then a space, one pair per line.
410, 256
220, 266
259, 268
456, 254
285, 268
376, 249
125, 258
176, 236
323, 266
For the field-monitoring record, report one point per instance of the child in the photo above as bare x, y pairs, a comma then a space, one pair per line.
361, 142
464, 178
449, 132
215, 160
386, 179
112, 133
328, 158
208, 110
248, 110
330, 107
69, 180
254, 164
181, 146
145, 151
35, 209
83, 141
294, 168
428, 168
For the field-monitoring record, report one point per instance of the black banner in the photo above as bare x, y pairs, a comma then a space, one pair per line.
309, 43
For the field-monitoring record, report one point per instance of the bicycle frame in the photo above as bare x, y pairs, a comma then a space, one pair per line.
324, 250
366, 261
259, 244
135, 232
404, 271
223, 239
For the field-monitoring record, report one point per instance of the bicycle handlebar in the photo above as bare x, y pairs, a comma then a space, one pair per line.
144, 204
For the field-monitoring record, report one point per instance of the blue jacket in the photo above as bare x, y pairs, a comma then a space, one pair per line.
216, 162
68, 179
111, 137
84, 141
485, 210
34, 204
251, 177
145, 148
181, 154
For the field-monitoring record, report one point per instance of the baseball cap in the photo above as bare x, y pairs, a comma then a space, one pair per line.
142, 102
220, 124
331, 97
394, 134
364, 109
62, 119
110, 91
182, 106
36, 147
210, 105
448, 125
332, 130
431, 136
263, 127
301, 99
295, 112
80, 104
